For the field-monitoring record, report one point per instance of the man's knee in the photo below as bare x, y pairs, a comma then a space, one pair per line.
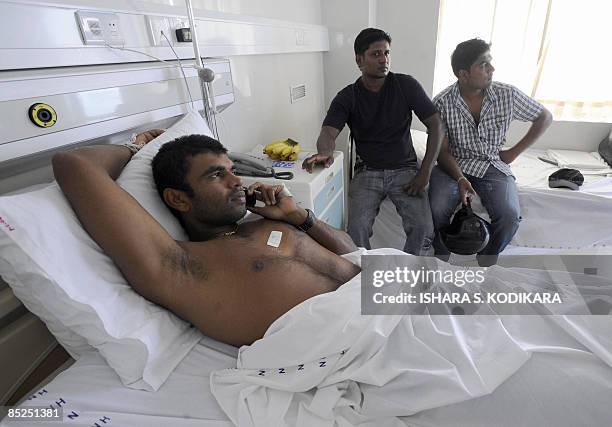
360, 224
423, 227
361, 221
443, 200
360, 230
419, 235
508, 218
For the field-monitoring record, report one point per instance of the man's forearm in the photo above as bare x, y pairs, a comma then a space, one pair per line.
434, 142
110, 158
329, 237
326, 143
537, 128
449, 165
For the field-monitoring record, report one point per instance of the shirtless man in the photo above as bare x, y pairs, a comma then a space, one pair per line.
225, 280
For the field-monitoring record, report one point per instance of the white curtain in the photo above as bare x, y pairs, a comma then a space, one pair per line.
575, 69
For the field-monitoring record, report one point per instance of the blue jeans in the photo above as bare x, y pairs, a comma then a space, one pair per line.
369, 188
499, 196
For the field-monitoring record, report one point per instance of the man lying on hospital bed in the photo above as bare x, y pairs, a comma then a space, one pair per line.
319, 359
213, 280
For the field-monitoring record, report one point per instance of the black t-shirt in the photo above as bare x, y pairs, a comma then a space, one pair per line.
380, 121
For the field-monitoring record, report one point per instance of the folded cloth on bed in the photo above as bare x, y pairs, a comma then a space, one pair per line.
577, 159
323, 363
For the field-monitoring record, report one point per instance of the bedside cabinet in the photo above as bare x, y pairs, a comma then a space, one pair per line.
322, 191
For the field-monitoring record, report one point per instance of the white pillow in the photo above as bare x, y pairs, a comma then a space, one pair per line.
23, 275
137, 177
64, 278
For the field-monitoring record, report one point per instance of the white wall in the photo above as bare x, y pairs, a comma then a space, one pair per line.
413, 25
564, 135
305, 11
262, 111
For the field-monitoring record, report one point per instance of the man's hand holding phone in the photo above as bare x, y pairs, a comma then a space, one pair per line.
279, 204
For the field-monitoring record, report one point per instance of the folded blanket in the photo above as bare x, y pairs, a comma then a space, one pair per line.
323, 363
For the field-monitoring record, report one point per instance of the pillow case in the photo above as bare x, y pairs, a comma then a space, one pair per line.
21, 273
63, 276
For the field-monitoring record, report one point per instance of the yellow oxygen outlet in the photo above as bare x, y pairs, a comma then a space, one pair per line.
42, 115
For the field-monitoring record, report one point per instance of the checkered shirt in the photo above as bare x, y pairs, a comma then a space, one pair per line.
475, 147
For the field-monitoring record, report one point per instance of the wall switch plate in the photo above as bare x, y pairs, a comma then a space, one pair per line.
99, 28
157, 24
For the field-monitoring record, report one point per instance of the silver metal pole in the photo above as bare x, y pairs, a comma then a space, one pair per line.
203, 74
194, 34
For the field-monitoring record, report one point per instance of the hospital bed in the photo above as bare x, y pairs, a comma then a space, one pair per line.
90, 390
100, 388
553, 220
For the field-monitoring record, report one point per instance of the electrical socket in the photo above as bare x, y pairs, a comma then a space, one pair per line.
156, 25
99, 28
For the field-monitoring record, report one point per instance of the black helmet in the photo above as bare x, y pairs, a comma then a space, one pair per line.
467, 233
569, 178
605, 149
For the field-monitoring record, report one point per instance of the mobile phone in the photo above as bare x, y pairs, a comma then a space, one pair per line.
250, 198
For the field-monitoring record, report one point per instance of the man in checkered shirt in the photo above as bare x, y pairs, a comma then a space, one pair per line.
477, 113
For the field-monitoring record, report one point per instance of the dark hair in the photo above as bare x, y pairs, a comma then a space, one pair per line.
467, 52
368, 36
171, 163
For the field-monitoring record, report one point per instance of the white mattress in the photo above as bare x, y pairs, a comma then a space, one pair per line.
557, 219
550, 389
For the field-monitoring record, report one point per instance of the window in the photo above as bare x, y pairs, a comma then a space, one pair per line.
555, 50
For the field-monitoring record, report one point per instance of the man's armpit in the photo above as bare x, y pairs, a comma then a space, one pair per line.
180, 261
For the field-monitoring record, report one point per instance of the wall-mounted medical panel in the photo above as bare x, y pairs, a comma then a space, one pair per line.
86, 101
39, 35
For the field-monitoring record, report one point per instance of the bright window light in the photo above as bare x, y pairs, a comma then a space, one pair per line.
554, 50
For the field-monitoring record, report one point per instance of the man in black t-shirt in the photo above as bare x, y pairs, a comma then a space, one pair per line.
378, 110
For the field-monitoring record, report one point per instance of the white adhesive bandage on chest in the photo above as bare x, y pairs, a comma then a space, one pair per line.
275, 239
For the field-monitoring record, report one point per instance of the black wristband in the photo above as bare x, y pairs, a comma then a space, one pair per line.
308, 222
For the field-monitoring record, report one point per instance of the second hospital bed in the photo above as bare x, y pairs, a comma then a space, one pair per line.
553, 220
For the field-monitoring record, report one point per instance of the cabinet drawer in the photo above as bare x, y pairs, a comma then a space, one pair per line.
334, 214
328, 192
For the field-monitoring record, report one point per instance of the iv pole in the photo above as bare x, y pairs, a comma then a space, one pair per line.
206, 75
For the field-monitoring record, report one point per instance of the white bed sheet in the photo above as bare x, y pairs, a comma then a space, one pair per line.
558, 219
549, 389
91, 389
